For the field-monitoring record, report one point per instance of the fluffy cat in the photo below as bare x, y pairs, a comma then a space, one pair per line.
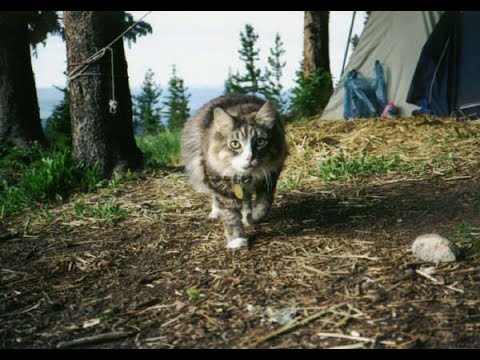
234, 149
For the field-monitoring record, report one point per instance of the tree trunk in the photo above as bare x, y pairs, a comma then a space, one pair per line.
19, 113
315, 42
98, 136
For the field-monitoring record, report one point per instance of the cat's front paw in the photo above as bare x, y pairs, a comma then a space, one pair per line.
259, 213
215, 214
237, 243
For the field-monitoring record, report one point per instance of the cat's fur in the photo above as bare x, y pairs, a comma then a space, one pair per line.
232, 142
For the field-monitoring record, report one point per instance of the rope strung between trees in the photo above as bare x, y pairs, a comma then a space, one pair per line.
84, 65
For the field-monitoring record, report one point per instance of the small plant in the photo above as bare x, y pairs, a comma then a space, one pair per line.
109, 315
340, 167
109, 211
193, 293
470, 238
291, 182
46, 212
26, 227
79, 207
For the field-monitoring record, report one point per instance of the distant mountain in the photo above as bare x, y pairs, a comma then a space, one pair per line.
49, 97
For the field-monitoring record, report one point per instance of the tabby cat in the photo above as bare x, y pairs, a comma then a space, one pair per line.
234, 149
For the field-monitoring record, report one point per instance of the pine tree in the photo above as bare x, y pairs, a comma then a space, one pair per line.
58, 127
230, 83
354, 41
146, 113
272, 88
311, 93
250, 82
177, 110
355, 38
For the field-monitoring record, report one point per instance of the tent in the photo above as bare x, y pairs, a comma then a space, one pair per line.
447, 76
396, 39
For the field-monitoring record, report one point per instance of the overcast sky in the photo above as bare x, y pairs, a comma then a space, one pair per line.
204, 45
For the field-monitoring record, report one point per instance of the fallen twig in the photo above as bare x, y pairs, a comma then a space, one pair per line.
22, 311
93, 339
9, 235
357, 338
293, 325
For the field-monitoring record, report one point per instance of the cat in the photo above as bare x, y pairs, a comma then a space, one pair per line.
234, 149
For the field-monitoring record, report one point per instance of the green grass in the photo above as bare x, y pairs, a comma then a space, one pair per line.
340, 167
161, 149
469, 236
32, 176
291, 182
110, 211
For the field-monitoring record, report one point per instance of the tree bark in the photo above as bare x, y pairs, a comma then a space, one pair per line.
19, 113
98, 136
315, 42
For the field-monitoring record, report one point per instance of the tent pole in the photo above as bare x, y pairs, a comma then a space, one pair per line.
348, 42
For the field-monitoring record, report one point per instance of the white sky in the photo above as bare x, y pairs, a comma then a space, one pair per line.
204, 44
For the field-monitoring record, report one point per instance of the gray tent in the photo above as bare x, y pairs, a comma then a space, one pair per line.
395, 38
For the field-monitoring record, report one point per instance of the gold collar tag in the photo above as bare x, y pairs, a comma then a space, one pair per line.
237, 190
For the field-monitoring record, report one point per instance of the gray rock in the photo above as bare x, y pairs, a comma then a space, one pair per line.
434, 248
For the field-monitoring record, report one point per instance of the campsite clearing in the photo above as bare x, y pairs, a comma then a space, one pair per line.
331, 266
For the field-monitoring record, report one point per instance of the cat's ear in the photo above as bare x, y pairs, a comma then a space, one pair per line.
267, 115
222, 121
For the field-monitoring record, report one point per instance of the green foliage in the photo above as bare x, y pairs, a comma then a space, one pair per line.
162, 149
146, 113
58, 127
141, 29
193, 293
109, 315
311, 94
40, 25
109, 211
340, 167
46, 178
53, 177
354, 41
292, 182
470, 238
176, 103
249, 82
272, 88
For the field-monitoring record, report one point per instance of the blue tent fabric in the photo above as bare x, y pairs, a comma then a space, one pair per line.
434, 71
447, 77
364, 97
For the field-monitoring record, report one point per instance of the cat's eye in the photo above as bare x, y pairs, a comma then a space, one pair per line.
235, 145
261, 142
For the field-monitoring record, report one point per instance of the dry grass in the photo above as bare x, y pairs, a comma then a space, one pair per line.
336, 254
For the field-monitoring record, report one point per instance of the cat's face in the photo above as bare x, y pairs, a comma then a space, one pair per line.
243, 144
